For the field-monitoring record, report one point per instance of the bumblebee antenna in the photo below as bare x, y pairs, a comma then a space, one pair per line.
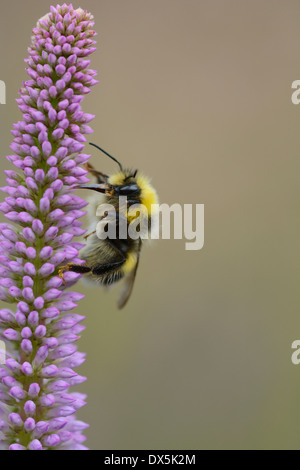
110, 156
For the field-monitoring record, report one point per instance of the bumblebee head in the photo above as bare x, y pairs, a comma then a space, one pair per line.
124, 183
132, 184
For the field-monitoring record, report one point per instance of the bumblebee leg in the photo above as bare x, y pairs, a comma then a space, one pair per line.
75, 268
101, 177
89, 234
107, 268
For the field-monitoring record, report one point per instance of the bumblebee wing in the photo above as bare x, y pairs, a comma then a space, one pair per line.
129, 282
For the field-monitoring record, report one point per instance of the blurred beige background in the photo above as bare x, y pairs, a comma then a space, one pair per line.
198, 95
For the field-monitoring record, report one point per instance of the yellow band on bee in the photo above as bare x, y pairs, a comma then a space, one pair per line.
129, 263
148, 195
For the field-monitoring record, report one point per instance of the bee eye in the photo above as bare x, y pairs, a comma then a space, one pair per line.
129, 190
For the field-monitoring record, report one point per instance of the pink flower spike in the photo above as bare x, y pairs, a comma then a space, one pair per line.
42, 220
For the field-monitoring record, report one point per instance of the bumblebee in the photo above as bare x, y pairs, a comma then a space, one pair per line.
109, 259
